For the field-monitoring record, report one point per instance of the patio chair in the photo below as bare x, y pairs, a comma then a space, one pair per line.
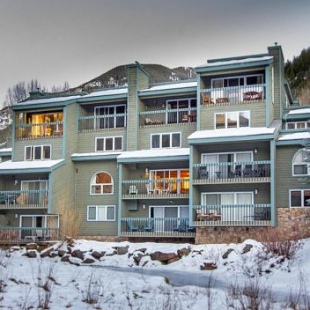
149, 225
183, 226
203, 173
130, 226
248, 171
133, 190
148, 189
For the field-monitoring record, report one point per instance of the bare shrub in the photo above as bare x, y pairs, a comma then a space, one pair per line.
70, 220
252, 294
277, 244
92, 292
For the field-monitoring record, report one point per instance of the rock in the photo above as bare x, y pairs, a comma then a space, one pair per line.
183, 252
65, 258
78, 253
61, 253
163, 257
143, 250
46, 252
137, 258
225, 255
173, 260
31, 246
121, 250
97, 255
247, 248
208, 266
32, 254
88, 260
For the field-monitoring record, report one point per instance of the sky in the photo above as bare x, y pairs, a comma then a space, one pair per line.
137, 280
75, 41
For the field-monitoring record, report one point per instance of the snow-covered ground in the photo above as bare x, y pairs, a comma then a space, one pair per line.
241, 276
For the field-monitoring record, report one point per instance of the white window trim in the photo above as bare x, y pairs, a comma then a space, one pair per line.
295, 125
101, 184
32, 152
238, 125
105, 213
204, 194
160, 140
104, 143
302, 163
221, 153
114, 115
238, 77
302, 197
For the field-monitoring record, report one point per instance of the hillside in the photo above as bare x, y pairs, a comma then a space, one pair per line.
116, 77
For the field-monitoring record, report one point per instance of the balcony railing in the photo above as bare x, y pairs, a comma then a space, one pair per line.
232, 172
99, 122
27, 234
33, 199
163, 188
34, 131
164, 227
170, 116
232, 215
233, 95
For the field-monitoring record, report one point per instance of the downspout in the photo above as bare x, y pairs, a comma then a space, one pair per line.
190, 207
273, 181
120, 193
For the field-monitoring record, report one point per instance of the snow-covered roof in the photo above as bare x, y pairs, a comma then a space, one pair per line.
299, 111
155, 153
6, 150
107, 92
231, 132
170, 86
34, 164
94, 154
294, 136
48, 100
235, 61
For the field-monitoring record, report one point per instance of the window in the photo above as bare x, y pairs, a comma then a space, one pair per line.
300, 198
297, 125
109, 144
238, 81
232, 120
178, 109
110, 116
100, 213
166, 140
38, 152
301, 162
101, 184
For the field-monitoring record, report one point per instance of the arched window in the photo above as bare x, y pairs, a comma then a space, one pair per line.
101, 183
301, 162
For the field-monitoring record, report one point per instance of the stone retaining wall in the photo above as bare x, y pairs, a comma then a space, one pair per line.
292, 223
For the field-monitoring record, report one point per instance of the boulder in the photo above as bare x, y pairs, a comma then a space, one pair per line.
183, 252
88, 260
163, 257
78, 253
32, 254
225, 255
208, 266
247, 248
97, 255
31, 246
121, 250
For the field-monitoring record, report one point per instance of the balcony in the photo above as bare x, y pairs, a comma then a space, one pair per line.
232, 215
233, 95
12, 235
102, 122
167, 117
232, 172
155, 189
33, 199
156, 227
36, 131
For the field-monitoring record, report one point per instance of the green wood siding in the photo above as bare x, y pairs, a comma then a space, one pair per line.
85, 172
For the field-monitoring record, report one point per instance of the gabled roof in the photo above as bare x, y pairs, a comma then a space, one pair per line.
105, 94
